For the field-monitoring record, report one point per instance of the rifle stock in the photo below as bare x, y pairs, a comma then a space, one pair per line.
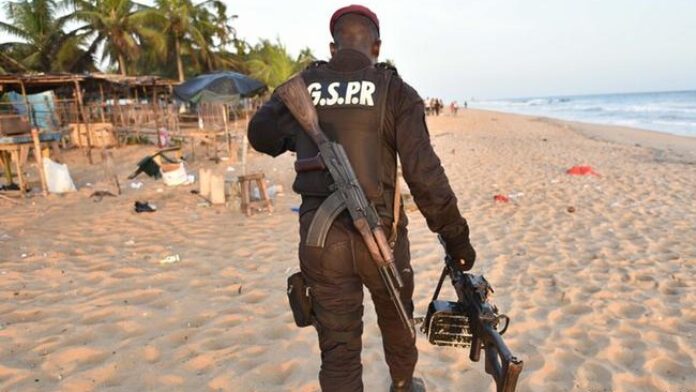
294, 95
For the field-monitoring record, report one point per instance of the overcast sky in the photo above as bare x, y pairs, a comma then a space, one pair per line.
506, 48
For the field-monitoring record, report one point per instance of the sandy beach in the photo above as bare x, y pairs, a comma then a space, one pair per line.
601, 298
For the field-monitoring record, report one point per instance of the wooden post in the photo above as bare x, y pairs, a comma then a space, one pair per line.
6, 162
101, 102
26, 104
20, 177
228, 139
39, 159
244, 147
81, 108
155, 113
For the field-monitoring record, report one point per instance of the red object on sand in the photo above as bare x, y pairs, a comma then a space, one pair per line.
582, 171
501, 198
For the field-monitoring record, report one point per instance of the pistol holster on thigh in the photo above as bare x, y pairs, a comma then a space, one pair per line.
300, 300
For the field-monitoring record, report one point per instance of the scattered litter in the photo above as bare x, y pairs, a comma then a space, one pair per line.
164, 136
129, 243
99, 195
582, 171
295, 209
230, 168
160, 190
58, 177
516, 195
205, 203
24, 255
171, 259
149, 165
9, 187
88, 185
136, 184
501, 198
174, 174
275, 190
571, 209
144, 207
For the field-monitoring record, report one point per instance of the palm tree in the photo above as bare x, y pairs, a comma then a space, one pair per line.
272, 64
119, 25
192, 28
44, 45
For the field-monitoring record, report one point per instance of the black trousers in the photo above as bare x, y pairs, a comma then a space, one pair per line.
336, 274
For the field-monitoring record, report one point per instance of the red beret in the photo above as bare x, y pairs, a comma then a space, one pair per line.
353, 9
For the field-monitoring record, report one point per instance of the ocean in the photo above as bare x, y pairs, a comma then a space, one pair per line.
669, 112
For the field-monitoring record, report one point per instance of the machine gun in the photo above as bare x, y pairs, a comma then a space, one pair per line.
348, 195
472, 322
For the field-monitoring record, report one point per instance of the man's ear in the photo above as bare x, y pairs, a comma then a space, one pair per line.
375, 48
332, 49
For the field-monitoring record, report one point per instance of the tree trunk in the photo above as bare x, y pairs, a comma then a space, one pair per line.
179, 63
122, 64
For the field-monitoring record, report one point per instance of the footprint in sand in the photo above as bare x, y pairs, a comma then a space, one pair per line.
254, 297
671, 371
626, 352
626, 310
72, 358
593, 376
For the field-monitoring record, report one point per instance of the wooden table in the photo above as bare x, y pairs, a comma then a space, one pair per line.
16, 148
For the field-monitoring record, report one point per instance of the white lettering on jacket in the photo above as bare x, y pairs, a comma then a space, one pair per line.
358, 92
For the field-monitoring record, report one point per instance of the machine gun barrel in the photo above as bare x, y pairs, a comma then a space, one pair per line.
483, 325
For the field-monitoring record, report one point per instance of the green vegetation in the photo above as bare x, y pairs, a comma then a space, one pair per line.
170, 38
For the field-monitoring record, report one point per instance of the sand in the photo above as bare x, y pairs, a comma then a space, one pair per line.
601, 299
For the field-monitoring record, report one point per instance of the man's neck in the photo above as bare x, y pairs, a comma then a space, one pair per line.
347, 59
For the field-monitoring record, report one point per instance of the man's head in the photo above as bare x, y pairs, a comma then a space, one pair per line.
355, 27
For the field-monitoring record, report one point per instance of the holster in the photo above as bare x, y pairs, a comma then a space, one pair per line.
300, 300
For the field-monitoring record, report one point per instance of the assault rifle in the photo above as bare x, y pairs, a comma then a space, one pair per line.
472, 322
348, 195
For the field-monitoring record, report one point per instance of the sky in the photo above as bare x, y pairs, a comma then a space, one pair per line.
505, 48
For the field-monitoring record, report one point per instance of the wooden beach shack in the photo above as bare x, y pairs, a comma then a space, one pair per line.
100, 110
80, 110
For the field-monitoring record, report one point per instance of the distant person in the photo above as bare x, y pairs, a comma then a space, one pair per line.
454, 107
437, 106
465, 105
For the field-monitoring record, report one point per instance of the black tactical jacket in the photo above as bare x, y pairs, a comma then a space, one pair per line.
273, 131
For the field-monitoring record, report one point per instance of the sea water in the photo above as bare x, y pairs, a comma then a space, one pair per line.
670, 112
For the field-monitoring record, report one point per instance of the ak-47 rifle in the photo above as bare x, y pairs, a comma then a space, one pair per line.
473, 322
348, 195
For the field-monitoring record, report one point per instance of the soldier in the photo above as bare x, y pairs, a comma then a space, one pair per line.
375, 115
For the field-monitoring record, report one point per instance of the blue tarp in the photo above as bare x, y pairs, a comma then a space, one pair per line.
42, 108
222, 85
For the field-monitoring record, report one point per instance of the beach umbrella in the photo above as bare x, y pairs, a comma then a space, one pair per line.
222, 86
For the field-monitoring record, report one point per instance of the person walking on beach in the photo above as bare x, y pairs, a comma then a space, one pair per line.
454, 108
375, 115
